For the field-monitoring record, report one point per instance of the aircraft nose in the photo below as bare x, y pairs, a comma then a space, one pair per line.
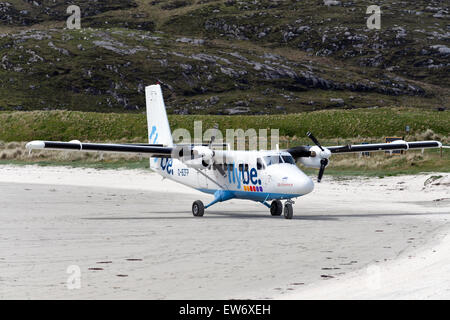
303, 185
309, 185
290, 179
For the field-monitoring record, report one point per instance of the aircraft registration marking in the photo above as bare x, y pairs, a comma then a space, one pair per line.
183, 172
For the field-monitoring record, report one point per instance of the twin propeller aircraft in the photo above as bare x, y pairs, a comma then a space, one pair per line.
261, 176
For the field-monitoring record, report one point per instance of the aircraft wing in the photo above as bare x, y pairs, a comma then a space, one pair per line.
395, 145
151, 150
318, 156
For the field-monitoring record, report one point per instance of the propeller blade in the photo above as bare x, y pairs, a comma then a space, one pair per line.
323, 164
311, 136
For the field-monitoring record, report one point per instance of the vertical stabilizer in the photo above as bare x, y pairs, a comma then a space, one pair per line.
158, 124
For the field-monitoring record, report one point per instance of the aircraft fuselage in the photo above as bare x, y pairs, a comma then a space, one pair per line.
242, 174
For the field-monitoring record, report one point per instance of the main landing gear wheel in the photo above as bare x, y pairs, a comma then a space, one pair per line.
288, 211
276, 208
198, 209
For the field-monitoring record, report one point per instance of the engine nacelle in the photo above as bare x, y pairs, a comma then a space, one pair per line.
196, 164
203, 152
314, 161
203, 157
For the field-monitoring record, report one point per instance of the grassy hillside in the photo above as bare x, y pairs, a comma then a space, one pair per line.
223, 57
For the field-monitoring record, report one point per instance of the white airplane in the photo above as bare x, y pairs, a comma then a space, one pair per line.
261, 176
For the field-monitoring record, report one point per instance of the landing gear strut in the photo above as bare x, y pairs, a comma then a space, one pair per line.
198, 209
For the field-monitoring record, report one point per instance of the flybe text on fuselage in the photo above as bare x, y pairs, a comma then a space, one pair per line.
242, 176
239, 175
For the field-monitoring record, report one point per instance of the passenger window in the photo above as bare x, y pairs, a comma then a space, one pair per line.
243, 167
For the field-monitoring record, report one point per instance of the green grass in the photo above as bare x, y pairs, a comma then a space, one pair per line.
329, 124
332, 127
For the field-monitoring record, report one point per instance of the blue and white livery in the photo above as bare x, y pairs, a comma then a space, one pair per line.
266, 177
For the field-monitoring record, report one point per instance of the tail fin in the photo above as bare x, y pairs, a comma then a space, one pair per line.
158, 124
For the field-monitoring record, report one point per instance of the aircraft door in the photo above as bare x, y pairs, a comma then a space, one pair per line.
262, 174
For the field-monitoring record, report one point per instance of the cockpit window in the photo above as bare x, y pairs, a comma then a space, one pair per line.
288, 159
259, 164
270, 160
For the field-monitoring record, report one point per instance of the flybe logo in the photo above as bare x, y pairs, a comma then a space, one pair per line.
166, 165
243, 176
154, 135
253, 188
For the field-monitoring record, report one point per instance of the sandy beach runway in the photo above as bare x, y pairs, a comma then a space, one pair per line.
133, 236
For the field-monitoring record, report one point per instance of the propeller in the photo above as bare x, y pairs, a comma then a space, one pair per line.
324, 155
311, 136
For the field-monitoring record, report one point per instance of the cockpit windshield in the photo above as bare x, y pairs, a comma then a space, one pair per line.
288, 159
276, 159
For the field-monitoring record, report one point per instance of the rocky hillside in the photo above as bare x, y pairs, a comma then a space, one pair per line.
224, 57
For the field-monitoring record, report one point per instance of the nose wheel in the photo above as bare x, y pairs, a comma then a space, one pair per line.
277, 208
288, 211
